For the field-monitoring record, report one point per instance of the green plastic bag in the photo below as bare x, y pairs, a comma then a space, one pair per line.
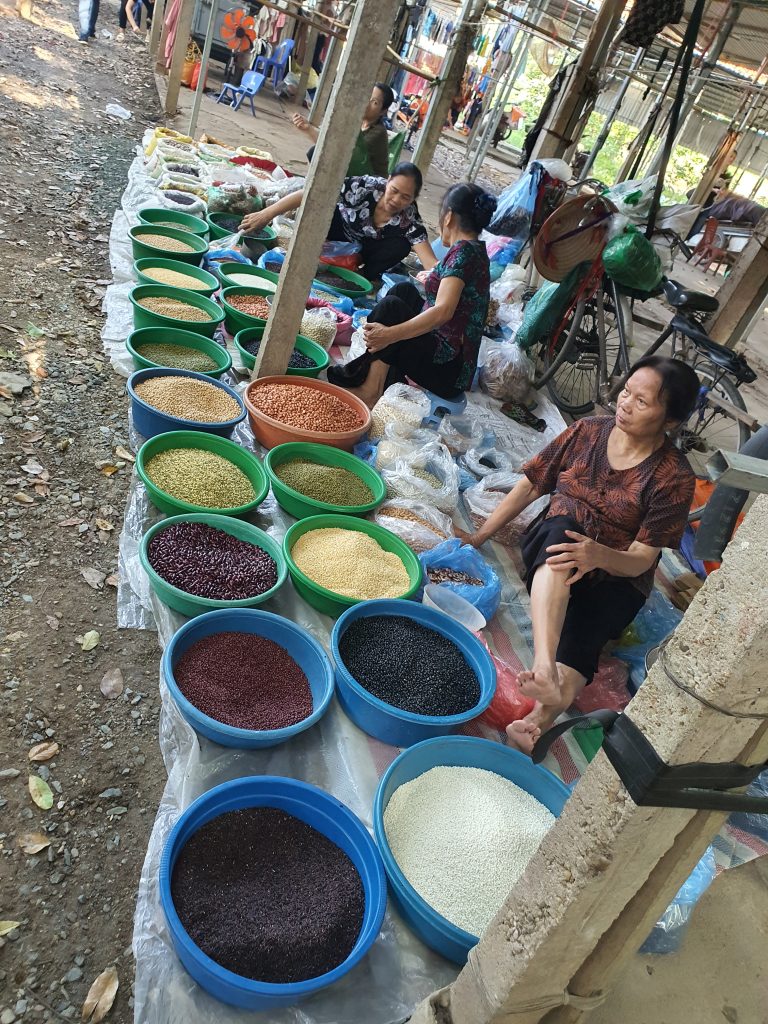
631, 260
547, 308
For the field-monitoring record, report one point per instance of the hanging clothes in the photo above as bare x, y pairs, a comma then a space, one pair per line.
649, 17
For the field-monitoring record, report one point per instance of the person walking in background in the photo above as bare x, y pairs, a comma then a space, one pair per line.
88, 13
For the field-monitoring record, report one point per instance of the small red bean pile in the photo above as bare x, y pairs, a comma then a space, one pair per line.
253, 305
245, 681
305, 408
207, 562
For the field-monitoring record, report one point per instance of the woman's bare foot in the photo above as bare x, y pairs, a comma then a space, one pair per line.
541, 683
366, 394
522, 735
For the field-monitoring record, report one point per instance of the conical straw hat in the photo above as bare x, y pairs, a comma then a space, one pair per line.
575, 233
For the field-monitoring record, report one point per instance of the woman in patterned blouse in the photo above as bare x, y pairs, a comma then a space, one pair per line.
379, 214
434, 342
619, 492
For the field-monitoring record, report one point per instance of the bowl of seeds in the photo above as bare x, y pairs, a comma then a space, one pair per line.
159, 217
191, 471
282, 408
177, 275
158, 305
233, 274
200, 563
166, 399
312, 479
182, 350
307, 358
171, 243
245, 306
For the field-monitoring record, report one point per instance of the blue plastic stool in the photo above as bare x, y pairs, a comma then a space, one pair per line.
443, 407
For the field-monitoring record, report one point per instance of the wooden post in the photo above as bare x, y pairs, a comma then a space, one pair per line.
744, 293
608, 868
158, 19
718, 162
451, 73
183, 26
555, 137
366, 42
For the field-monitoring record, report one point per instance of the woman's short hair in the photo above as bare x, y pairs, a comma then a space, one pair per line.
408, 170
472, 205
387, 96
679, 384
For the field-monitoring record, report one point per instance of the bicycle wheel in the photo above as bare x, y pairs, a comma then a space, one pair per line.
573, 370
709, 428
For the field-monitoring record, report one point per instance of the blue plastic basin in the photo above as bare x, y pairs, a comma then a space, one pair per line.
392, 725
322, 812
454, 751
301, 646
150, 422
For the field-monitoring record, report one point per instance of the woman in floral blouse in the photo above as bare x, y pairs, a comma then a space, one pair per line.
434, 342
379, 214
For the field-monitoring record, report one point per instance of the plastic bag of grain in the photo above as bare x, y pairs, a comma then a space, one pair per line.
400, 440
319, 325
429, 475
485, 497
421, 526
400, 403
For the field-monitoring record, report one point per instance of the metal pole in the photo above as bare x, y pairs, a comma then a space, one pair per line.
203, 69
490, 127
605, 131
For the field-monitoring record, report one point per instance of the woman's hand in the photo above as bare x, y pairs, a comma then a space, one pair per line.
422, 276
580, 557
300, 122
255, 221
377, 337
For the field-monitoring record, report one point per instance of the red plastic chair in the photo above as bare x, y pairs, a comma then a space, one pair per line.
710, 248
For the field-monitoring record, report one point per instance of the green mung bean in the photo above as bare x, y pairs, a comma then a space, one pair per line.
331, 484
200, 477
178, 357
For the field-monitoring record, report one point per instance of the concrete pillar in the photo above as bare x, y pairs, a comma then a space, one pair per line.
744, 293
366, 42
608, 868
451, 73
183, 27
327, 78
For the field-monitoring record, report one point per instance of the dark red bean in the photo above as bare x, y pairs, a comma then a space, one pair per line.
245, 681
267, 896
206, 562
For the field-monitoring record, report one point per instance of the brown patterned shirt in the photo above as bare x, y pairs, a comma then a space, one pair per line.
648, 503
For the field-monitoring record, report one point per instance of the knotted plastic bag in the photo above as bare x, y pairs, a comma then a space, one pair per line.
452, 554
429, 475
632, 261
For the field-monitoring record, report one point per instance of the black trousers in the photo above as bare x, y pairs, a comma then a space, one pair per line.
413, 358
378, 255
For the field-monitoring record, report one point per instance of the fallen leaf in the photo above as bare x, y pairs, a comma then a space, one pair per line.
5, 392
40, 792
34, 332
43, 751
33, 842
112, 581
109, 469
123, 453
104, 524
111, 685
101, 996
32, 467
9, 926
70, 522
52, 621
23, 499
41, 372
89, 640
37, 435
41, 489
94, 578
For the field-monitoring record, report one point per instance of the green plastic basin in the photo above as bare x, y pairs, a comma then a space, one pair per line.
190, 604
227, 270
350, 284
141, 249
146, 318
299, 505
184, 339
325, 600
186, 221
240, 457
304, 345
209, 280
234, 319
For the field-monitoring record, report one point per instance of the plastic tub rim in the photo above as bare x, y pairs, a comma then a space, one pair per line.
199, 337
172, 371
181, 295
209, 603
190, 711
260, 325
201, 232
322, 506
300, 989
177, 233
300, 432
408, 716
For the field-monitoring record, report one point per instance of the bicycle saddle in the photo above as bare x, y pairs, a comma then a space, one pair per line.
718, 354
681, 298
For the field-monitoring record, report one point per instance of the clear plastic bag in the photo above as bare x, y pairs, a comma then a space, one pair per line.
670, 929
484, 460
429, 475
460, 557
356, 346
319, 325
401, 440
653, 623
509, 287
239, 199
401, 516
400, 403
507, 373
460, 433
514, 213
485, 497
633, 198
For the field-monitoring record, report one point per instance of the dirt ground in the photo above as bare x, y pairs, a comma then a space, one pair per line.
64, 481
65, 477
